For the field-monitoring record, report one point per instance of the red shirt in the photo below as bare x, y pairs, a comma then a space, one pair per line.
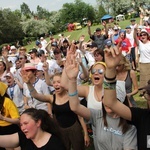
124, 45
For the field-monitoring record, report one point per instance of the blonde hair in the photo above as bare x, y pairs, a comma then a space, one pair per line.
124, 61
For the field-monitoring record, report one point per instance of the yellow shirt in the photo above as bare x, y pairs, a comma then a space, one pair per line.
10, 111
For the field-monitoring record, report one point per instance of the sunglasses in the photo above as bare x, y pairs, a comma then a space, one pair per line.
100, 71
21, 58
143, 34
55, 53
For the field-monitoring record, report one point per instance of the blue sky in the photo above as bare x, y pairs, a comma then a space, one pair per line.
47, 4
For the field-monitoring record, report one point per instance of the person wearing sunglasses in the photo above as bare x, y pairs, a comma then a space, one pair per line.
144, 56
93, 93
111, 131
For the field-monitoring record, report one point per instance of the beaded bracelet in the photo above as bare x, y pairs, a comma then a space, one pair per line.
73, 94
109, 86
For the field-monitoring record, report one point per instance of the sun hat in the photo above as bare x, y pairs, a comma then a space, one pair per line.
3, 88
29, 66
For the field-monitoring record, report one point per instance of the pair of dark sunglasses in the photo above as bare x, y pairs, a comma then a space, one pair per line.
100, 71
143, 34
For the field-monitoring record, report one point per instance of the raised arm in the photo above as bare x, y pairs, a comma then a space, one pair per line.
135, 37
48, 77
112, 59
72, 66
105, 27
33, 92
89, 28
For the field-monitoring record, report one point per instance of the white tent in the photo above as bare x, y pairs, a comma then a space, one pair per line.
120, 17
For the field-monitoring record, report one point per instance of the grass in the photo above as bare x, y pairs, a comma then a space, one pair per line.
75, 35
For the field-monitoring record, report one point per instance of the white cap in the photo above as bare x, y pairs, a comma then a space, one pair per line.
39, 66
12, 47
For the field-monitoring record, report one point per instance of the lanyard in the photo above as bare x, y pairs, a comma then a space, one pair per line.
11, 91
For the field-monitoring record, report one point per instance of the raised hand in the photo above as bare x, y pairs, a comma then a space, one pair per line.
71, 67
25, 76
112, 56
104, 23
89, 23
45, 66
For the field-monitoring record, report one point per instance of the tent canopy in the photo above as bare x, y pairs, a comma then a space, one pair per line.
105, 17
120, 17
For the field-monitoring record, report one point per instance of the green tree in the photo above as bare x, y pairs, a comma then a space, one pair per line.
75, 12
34, 28
42, 13
25, 10
10, 27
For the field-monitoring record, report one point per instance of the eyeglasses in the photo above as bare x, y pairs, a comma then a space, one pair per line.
21, 58
100, 71
143, 34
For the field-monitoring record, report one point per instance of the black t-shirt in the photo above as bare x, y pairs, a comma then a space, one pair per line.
141, 119
54, 143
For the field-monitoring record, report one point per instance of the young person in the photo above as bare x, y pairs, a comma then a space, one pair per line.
137, 116
112, 132
38, 131
68, 121
9, 115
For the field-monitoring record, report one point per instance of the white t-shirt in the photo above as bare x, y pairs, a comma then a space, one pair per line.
41, 87
131, 38
144, 51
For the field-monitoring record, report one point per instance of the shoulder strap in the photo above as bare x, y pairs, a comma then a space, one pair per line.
54, 99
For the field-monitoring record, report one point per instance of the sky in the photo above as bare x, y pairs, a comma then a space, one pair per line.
49, 5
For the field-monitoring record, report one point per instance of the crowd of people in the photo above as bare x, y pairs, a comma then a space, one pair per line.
52, 94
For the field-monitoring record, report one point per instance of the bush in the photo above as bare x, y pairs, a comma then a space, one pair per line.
27, 40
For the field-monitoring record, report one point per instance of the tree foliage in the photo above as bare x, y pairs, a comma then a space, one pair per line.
10, 27
33, 27
25, 10
75, 12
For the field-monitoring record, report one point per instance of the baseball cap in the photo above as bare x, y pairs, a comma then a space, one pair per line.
93, 44
8, 75
98, 29
108, 42
39, 67
12, 47
34, 50
132, 19
128, 27
37, 43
